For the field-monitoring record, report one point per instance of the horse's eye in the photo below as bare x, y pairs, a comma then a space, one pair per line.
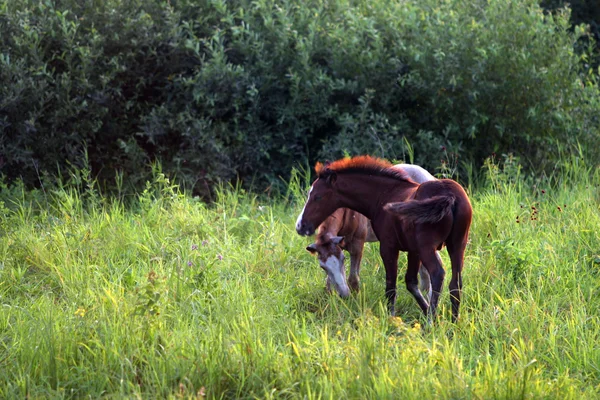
318, 197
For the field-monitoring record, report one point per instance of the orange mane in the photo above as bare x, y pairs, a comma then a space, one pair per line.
361, 164
353, 162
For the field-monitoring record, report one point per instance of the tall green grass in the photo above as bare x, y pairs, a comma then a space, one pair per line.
165, 296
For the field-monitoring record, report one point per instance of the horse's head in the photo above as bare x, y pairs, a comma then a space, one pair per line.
322, 201
331, 259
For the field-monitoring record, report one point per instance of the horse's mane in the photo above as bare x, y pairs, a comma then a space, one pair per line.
361, 165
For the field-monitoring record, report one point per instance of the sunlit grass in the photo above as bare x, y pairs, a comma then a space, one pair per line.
170, 297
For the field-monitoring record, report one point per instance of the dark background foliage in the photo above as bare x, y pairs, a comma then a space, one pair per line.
582, 12
221, 90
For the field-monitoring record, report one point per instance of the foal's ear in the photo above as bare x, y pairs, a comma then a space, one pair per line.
337, 239
312, 248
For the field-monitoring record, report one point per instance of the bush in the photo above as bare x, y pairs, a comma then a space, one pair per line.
220, 90
499, 76
583, 12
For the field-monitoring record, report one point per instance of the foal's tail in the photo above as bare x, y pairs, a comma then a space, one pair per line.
430, 210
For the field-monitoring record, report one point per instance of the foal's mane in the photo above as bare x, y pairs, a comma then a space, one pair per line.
362, 165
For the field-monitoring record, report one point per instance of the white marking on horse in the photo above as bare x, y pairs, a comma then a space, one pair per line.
299, 220
416, 173
334, 267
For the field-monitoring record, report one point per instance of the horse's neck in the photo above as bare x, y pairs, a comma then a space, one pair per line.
368, 194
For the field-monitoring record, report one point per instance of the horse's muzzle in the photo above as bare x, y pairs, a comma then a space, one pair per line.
305, 229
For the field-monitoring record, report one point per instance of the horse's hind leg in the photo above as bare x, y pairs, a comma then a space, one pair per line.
456, 244
456, 253
411, 280
425, 281
356, 253
431, 261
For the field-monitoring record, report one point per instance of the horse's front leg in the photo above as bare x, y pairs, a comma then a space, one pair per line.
356, 253
389, 255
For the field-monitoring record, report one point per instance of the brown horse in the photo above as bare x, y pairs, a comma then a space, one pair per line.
418, 219
349, 230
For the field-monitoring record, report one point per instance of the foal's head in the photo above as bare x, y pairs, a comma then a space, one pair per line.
331, 259
321, 203
324, 199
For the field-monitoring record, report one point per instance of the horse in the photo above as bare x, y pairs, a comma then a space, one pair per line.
348, 230
405, 216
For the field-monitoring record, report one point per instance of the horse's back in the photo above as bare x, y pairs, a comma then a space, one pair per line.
355, 224
332, 224
348, 223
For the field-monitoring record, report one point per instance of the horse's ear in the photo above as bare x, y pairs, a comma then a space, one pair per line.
312, 248
337, 240
320, 167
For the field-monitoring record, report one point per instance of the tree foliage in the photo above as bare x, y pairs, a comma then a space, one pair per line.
218, 90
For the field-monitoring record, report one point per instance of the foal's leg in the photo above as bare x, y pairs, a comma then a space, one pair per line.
390, 261
436, 273
356, 253
456, 253
411, 279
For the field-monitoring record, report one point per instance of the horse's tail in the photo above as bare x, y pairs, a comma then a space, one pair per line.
430, 210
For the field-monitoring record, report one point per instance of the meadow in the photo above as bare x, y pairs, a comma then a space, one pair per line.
161, 295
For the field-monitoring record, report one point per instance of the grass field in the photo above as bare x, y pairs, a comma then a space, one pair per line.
168, 297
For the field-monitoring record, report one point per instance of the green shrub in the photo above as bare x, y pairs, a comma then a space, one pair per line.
76, 78
220, 90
